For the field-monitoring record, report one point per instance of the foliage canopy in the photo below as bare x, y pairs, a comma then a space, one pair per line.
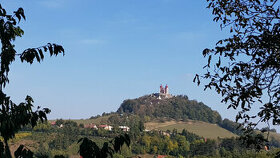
244, 68
12, 116
177, 107
90, 149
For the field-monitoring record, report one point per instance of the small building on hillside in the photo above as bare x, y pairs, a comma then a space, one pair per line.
124, 128
91, 125
106, 127
165, 133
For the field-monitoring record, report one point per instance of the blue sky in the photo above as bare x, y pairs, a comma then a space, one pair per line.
115, 50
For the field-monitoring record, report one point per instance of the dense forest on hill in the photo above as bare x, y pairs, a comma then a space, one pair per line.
177, 107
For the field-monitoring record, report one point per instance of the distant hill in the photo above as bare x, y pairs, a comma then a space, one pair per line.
177, 107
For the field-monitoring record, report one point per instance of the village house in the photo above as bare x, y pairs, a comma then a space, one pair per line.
91, 125
165, 133
124, 128
53, 123
106, 127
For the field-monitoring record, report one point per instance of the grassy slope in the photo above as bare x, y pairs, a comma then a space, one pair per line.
97, 121
200, 128
272, 134
275, 135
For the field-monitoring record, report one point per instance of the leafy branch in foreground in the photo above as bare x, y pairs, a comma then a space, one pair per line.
12, 116
89, 149
245, 67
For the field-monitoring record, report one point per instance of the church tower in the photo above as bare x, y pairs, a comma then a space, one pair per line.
161, 90
166, 89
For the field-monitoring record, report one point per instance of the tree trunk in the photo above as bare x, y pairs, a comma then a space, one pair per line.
7, 149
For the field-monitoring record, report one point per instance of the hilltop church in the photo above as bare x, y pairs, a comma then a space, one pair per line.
163, 92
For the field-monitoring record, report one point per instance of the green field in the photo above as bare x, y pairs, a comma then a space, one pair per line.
200, 128
97, 121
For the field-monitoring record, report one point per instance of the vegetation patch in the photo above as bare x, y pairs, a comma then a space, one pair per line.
200, 128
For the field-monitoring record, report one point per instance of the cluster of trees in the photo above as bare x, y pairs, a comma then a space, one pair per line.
185, 144
63, 141
178, 107
167, 143
234, 127
134, 122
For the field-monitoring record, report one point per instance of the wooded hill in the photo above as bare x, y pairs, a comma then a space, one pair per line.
177, 107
